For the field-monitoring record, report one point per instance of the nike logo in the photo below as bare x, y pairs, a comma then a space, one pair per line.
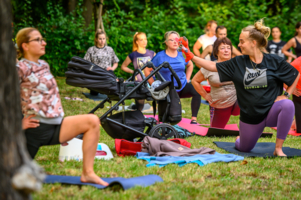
251, 77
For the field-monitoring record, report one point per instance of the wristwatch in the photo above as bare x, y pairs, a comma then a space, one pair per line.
287, 94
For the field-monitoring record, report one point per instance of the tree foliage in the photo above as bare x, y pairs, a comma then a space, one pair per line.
67, 35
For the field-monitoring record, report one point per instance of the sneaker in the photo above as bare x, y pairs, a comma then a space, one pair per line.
193, 122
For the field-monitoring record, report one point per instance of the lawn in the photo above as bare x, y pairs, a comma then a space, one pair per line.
254, 178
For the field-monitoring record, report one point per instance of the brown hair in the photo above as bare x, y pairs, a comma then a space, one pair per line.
135, 38
97, 33
297, 26
209, 24
23, 37
167, 34
219, 28
259, 32
218, 42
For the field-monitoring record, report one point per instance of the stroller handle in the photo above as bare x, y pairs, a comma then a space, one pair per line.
165, 65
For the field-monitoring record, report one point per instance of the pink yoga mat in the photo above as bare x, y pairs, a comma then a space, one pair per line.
293, 133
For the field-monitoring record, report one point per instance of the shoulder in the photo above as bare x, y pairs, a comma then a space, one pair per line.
109, 48
90, 48
272, 58
160, 54
150, 51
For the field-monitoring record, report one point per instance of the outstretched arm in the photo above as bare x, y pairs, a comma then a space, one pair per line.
236, 52
209, 65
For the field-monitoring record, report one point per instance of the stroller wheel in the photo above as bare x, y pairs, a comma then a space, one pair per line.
163, 132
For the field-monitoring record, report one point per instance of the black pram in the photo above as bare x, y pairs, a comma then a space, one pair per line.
130, 124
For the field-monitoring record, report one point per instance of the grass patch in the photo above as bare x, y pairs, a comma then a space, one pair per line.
253, 178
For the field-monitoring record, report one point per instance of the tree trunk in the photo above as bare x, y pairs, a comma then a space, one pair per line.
71, 5
13, 152
88, 10
99, 18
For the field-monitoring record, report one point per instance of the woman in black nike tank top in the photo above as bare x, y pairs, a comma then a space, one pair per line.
295, 42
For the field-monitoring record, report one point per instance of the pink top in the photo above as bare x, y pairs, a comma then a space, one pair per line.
39, 92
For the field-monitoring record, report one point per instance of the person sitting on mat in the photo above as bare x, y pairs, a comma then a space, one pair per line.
221, 32
101, 54
140, 56
258, 79
222, 98
178, 63
42, 109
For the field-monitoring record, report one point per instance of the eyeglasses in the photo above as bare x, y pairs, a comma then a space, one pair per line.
39, 40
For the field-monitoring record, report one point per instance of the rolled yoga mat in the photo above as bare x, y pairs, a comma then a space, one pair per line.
125, 183
262, 149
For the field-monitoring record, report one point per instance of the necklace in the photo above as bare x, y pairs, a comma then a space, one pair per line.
254, 67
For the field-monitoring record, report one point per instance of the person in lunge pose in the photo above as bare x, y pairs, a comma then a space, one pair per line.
222, 97
258, 79
140, 56
178, 63
43, 113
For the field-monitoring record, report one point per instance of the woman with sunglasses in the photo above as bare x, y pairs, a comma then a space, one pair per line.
178, 63
44, 121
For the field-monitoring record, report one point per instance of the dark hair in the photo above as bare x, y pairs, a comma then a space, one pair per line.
276, 27
219, 27
297, 26
218, 42
258, 32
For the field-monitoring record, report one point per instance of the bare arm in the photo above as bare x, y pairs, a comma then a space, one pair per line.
196, 48
125, 64
147, 72
189, 69
287, 46
209, 65
115, 65
196, 82
236, 52
291, 88
207, 51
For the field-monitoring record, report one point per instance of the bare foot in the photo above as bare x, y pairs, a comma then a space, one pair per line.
279, 152
92, 178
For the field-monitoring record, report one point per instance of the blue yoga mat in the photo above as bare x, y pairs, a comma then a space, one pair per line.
201, 160
262, 149
125, 183
97, 97
204, 102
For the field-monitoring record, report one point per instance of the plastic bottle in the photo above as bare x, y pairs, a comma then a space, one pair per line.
156, 84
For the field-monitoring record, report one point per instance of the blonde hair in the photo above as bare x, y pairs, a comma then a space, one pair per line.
135, 38
97, 33
209, 24
258, 32
23, 36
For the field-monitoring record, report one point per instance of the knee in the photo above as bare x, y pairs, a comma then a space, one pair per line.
93, 120
287, 105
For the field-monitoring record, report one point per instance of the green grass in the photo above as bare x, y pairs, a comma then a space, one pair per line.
254, 178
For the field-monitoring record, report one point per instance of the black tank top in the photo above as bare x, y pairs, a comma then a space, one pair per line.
298, 48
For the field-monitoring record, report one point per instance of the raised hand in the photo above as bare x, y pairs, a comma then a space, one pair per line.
183, 45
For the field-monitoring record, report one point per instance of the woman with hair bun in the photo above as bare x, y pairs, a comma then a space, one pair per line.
139, 57
101, 54
258, 79
295, 42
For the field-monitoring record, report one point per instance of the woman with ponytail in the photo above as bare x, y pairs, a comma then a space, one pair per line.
295, 42
44, 122
101, 54
258, 79
138, 57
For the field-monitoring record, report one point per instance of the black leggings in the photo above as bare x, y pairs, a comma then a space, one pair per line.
189, 91
297, 103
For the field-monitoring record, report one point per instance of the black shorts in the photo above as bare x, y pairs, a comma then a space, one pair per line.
45, 134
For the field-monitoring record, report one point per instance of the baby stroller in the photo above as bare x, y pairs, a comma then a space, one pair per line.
130, 125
